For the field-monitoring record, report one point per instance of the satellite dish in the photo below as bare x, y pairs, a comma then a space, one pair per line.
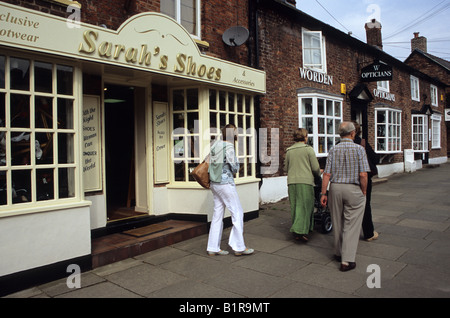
235, 36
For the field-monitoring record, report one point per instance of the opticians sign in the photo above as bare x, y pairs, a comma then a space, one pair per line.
148, 41
376, 72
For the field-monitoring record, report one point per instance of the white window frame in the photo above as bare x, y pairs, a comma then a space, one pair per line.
322, 67
436, 131
8, 168
383, 86
415, 89
189, 147
230, 107
177, 17
329, 119
388, 132
434, 95
419, 133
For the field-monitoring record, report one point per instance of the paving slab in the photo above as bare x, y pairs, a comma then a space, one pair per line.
410, 211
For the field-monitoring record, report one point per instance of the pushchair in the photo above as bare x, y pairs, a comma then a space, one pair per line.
322, 216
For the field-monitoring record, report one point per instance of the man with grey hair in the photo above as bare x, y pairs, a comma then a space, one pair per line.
346, 172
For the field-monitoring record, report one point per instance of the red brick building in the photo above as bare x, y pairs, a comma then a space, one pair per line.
315, 80
435, 67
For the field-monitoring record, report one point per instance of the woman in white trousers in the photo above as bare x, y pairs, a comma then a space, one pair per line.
223, 164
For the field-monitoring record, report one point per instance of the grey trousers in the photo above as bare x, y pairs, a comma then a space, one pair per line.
346, 203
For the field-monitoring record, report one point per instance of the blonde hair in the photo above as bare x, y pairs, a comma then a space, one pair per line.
300, 134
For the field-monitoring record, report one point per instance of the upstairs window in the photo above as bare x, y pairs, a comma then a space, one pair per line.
185, 12
314, 56
415, 89
383, 86
434, 95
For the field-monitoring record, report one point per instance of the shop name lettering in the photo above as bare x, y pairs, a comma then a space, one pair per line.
376, 74
317, 77
384, 95
141, 55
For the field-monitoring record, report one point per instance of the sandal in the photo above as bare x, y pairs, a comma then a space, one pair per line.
247, 251
301, 237
221, 252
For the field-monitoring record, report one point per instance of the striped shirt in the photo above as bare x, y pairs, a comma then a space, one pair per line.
346, 161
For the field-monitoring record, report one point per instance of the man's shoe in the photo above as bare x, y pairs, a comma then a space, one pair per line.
349, 267
247, 251
374, 237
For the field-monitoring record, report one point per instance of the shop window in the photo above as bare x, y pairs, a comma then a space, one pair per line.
388, 130
436, 131
37, 132
415, 89
321, 116
434, 95
186, 132
185, 12
235, 108
314, 56
420, 133
190, 133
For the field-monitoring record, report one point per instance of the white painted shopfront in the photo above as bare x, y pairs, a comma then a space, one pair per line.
95, 119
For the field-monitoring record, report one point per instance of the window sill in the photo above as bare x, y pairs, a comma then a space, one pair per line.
388, 152
21, 210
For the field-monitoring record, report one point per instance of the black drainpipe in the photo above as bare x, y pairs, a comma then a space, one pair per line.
254, 31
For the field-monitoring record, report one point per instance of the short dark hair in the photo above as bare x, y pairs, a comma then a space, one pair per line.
300, 134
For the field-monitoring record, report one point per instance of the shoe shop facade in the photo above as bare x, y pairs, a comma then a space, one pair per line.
318, 76
98, 124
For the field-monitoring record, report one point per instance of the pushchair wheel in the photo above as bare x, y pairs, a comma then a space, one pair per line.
326, 223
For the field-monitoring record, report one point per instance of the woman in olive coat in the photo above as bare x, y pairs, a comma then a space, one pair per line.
302, 167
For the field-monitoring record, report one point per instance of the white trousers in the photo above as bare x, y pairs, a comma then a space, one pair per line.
226, 196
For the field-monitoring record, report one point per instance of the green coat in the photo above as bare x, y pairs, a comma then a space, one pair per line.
301, 164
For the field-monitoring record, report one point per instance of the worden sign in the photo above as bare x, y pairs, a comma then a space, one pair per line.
376, 72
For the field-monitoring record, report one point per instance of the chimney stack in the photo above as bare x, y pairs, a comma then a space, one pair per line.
419, 42
373, 33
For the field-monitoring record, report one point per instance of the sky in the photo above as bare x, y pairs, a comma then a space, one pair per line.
399, 20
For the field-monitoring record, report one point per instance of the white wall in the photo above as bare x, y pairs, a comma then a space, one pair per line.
200, 201
98, 211
273, 189
37, 239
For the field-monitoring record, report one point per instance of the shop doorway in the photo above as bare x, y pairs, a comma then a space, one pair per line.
120, 171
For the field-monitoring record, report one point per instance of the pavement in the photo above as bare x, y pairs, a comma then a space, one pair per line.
410, 259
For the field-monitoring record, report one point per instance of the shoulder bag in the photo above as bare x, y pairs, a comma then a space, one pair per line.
200, 173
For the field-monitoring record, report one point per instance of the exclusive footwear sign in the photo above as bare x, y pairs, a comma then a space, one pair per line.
375, 72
